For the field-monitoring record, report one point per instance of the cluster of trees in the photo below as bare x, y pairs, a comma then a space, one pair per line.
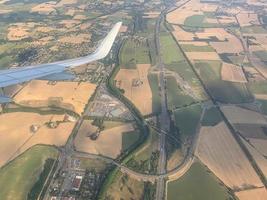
39, 184
146, 166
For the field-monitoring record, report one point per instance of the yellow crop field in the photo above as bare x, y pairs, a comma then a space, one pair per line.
220, 152
16, 135
136, 87
68, 95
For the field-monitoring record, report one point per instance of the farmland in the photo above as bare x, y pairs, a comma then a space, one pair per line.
145, 159
258, 157
187, 119
227, 46
211, 117
193, 14
135, 86
154, 85
126, 187
70, 95
181, 34
238, 115
197, 183
219, 151
174, 59
25, 167
196, 61
195, 47
133, 53
170, 51
222, 91
174, 159
256, 194
17, 133
258, 88
232, 73
193, 56
180, 69
111, 142
175, 96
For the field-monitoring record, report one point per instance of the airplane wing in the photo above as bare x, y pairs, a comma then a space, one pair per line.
23, 74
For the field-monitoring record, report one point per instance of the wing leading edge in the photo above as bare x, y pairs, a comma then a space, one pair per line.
23, 74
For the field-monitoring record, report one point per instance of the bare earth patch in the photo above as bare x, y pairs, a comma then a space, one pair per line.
136, 87
69, 95
16, 135
232, 73
218, 149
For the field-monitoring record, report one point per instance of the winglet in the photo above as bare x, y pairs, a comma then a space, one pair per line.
105, 46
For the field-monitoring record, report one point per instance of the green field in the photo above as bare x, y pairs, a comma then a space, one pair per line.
236, 59
171, 53
175, 96
194, 20
261, 55
263, 106
193, 48
123, 187
222, 91
93, 164
133, 53
199, 20
129, 139
154, 85
146, 158
258, 87
174, 59
253, 29
187, 119
197, 184
211, 117
18, 177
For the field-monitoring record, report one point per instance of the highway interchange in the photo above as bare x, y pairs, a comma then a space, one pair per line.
68, 151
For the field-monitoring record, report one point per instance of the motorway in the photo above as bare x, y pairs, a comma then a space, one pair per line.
164, 117
68, 150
